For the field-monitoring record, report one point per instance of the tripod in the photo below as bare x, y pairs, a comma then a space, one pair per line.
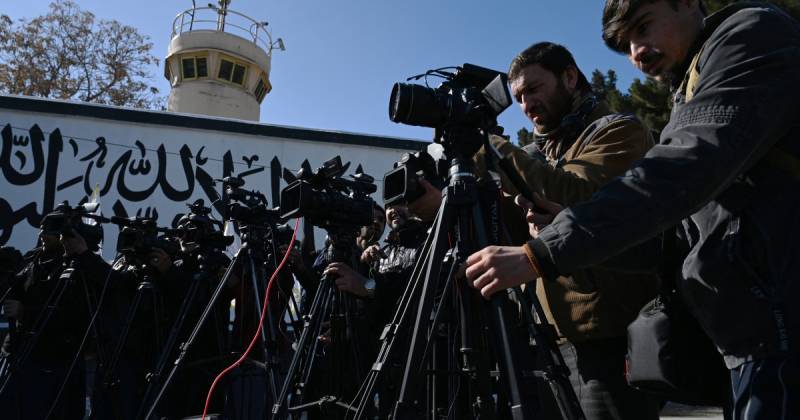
208, 264
145, 290
328, 303
460, 215
72, 275
251, 258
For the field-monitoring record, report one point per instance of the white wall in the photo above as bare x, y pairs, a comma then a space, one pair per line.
37, 173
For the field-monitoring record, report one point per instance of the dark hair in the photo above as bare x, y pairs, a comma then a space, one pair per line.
617, 15
553, 57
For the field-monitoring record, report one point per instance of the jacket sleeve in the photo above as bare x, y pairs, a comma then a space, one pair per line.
610, 152
744, 102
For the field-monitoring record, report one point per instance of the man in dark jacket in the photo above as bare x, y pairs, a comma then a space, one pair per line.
726, 168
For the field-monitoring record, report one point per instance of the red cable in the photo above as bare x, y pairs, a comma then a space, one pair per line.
260, 323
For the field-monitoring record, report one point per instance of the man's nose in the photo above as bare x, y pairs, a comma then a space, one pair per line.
637, 51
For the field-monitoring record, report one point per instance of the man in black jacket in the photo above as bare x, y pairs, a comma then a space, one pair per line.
726, 168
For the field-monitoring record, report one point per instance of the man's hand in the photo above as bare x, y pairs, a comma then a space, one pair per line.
538, 220
426, 206
73, 243
159, 260
372, 255
347, 280
497, 268
13, 309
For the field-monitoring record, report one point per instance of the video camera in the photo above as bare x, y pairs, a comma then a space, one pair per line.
245, 206
473, 96
65, 219
139, 235
327, 200
198, 230
401, 184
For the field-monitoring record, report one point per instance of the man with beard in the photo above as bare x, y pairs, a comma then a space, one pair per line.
579, 145
727, 169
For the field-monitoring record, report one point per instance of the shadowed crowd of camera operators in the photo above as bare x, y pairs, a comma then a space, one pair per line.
513, 281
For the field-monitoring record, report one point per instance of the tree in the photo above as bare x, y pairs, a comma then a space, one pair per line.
67, 54
524, 137
605, 87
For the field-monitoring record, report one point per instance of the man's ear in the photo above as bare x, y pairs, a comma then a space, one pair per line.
570, 77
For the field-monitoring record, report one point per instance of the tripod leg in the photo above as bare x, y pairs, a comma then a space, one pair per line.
311, 327
555, 372
265, 344
399, 322
403, 407
154, 378
195, 332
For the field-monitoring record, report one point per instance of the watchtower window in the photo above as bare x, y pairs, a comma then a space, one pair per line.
262, 88
225, 70
202, 67
238, 74
232, 71
188, 68
194, 67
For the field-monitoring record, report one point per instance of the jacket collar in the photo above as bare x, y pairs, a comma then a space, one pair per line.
710, 24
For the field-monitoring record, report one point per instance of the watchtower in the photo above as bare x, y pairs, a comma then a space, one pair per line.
218, 62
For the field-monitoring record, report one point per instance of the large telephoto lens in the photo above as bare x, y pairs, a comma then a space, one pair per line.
417, 105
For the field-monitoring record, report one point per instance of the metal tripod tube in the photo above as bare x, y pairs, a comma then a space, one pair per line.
255, 284
166, 351
495, 310
556, 374
195, 332
402, 407
313, 322
311, 353
53, 300
401, 317
109, 380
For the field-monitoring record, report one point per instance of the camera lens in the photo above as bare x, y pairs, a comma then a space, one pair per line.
416, 105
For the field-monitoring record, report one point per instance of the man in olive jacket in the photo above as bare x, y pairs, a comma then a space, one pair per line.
579, 146
726, 167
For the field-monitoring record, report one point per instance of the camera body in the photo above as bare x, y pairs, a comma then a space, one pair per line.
65, 219
327, 200
401, 184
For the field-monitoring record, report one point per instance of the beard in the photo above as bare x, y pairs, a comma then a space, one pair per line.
560, 105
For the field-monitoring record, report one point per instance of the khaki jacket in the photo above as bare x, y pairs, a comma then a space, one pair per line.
597, 302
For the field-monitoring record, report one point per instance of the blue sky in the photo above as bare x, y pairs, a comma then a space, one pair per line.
342, 56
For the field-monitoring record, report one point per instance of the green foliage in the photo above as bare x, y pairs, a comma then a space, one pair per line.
649, 100
67, 54
524, 137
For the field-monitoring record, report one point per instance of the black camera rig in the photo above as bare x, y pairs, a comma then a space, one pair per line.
67, 220
326, 199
